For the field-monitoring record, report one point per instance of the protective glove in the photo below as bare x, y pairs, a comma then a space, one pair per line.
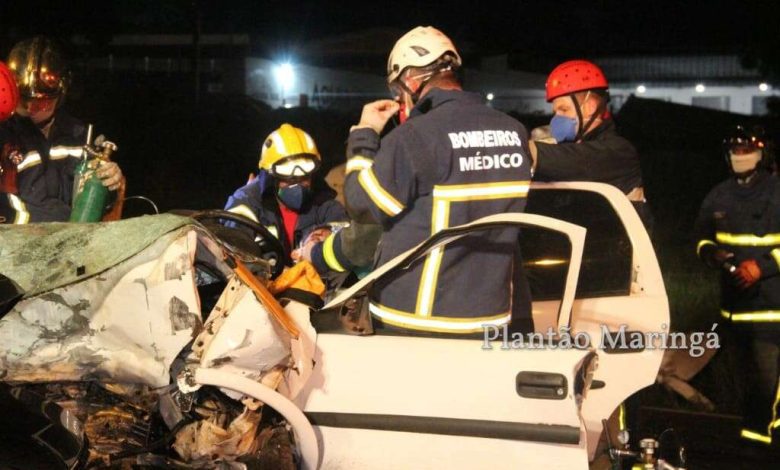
747, 273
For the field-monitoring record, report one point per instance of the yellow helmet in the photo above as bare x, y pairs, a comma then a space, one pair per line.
289, 152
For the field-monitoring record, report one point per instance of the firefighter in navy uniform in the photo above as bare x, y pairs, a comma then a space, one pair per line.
288, 205
12, 209
41, 140
738, 229
588, 146
452, 161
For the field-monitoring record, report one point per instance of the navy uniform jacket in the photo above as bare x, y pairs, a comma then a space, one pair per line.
745, 220
351, 248
257, 203
455, 160
603, 156
12, 210
45, 175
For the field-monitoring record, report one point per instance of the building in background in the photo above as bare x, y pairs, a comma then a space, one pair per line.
708, 81
345, 71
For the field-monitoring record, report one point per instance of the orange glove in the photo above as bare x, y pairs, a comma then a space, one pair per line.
747, 274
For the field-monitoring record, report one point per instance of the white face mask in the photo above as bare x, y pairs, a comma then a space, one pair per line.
745, 162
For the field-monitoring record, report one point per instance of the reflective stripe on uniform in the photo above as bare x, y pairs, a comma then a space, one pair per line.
358, 163
63, 151
754, 436
245, 211
775, 421
330, 255
746, 239
22, 216
622, 417
757, 316
381, 198
702, 244
30, 159
443, 197
776, 255
437, 324
55, 153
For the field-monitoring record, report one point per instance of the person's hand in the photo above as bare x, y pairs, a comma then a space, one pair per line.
376, 114
720, 256
747, 273
111, 175
318, 235
304, 252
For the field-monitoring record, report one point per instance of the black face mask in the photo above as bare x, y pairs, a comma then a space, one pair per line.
294, 196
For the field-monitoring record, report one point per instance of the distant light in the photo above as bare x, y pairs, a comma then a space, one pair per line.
641, 89
288, 105
763, 86
285, 75
700, 88
490, 96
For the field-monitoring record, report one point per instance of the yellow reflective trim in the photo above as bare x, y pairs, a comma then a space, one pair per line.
244, 210
622, 417
381, 198
443, 197
63, 151
775, 422
330, 255
437, 324
358, 163
754, 436
702, 244
22, 216
725, 314
735, 239
776, 255
30, 160
481, 192
440, 216
764, 315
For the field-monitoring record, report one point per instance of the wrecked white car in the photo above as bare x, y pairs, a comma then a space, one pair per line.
156, 341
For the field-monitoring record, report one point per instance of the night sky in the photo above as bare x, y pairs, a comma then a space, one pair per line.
561, 28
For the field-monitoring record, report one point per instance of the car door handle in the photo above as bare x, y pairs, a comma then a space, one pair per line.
541, 385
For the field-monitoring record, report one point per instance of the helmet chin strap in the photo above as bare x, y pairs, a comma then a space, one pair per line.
744, 179
583, 129
424, 79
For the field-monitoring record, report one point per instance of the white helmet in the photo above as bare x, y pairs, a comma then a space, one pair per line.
421, 46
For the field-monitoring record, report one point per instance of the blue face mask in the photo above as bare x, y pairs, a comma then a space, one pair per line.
294, 197
563, 129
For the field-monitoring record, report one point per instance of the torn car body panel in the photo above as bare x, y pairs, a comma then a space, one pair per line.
126, 324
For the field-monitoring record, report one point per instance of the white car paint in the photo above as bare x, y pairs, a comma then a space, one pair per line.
381, 376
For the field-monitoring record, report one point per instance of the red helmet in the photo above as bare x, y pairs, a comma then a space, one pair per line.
9, 93
573, 76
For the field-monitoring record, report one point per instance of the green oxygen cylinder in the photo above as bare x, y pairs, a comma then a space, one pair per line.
90, 200
89, 194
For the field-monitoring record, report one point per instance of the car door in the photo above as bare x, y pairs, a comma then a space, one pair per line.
390, 401
620, 287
